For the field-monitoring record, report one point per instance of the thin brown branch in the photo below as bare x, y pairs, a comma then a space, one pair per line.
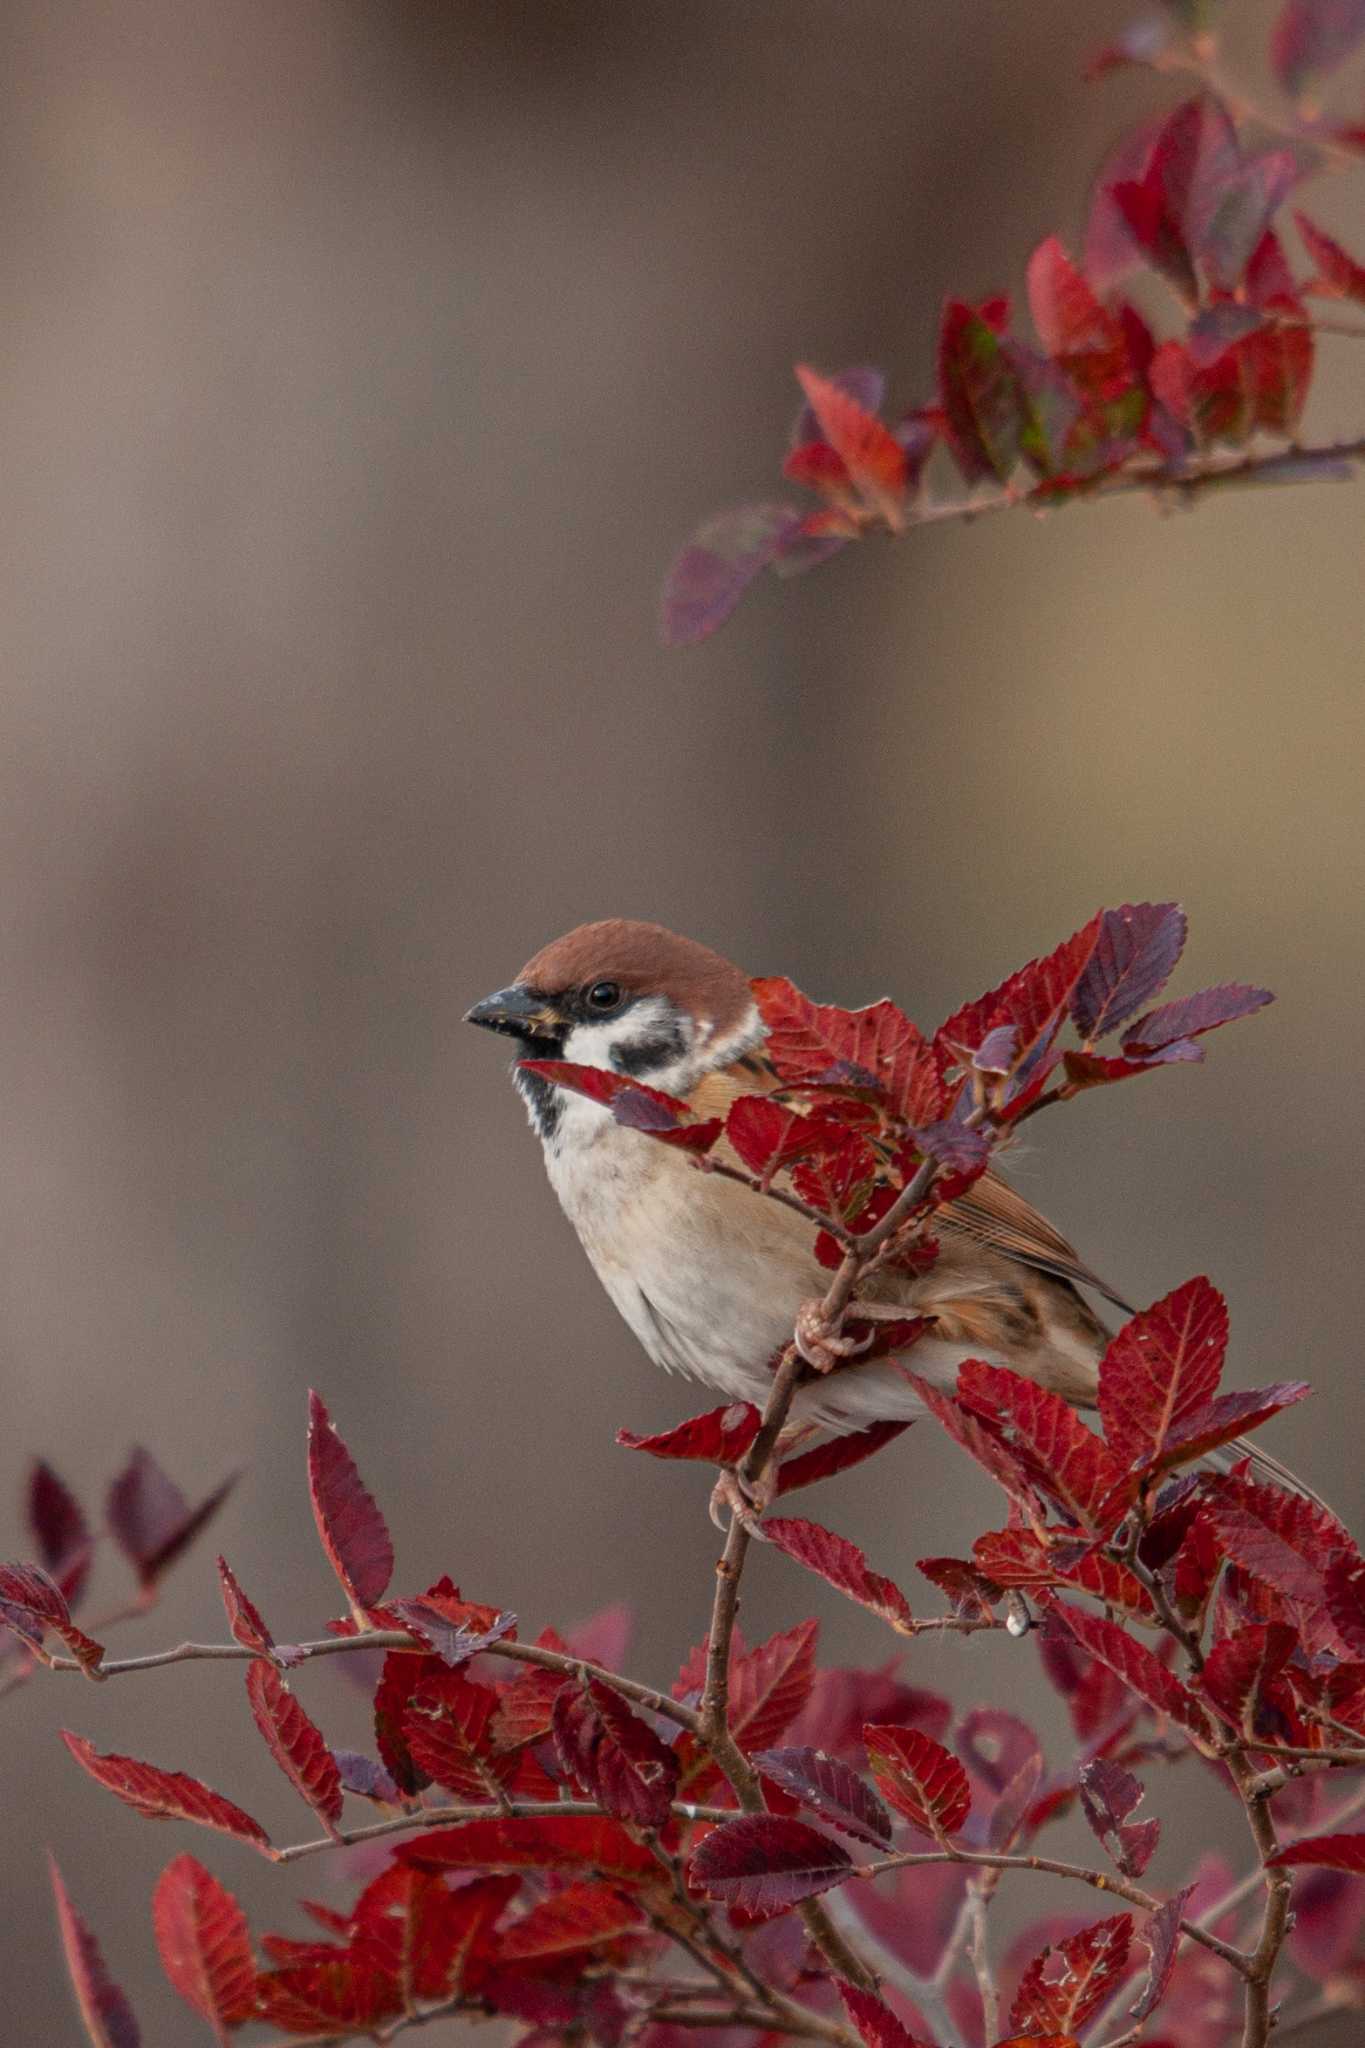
451, 1816
707, 1163
1099, 1880
979, 1950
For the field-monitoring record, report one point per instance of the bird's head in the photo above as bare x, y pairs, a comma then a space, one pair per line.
634, 998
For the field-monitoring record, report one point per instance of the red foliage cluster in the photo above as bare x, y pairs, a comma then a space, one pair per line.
1105, 396
598, 1859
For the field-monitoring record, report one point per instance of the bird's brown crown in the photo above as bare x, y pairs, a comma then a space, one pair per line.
646, 959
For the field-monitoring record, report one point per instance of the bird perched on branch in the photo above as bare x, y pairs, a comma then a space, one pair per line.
711, 1277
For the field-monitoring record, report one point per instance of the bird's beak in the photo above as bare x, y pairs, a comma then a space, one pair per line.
518, 1012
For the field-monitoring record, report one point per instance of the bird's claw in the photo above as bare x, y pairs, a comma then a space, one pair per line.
741, 1500
819, 1344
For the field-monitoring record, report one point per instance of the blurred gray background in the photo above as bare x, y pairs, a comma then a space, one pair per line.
363, 366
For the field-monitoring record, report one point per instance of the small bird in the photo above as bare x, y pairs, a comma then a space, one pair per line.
710, 1276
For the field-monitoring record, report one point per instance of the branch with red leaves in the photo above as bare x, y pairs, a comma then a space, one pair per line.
1101, 400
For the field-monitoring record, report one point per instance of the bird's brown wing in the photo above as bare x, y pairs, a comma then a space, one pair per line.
996, 1215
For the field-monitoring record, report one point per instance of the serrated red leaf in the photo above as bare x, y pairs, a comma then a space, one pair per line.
205, 1949
582, 1916
1162, 1368
720, 1437
1091, 1965
1238, 1669
1135, 954
1069, 319
1312, 37
969, 1590
510, 1842
105, 2012
842, 1453
841, 1564
877, 1047
770, 1684
1229, 1418
768, 1135
165, 1795
150, 1519
295, 1742
614, 1755
1139, 1670
244, 1617
1162, 1938
1338, 275
324, 1999
765, 1863
1067, 1461
1345, 1581
876, 2022
1016, 1557
1090, 1070
1329, 1852
456, 1630
1298, 1574
526, 1705
979, 393
1034, 1001
353, 1531
714, 570
873, 458
921, 1779
31, 1602
632, 1103
57, 1521
1109, 1794
1192, 1016
400, 1677
831, 1789
447, 1725
424, 1939
982, 1442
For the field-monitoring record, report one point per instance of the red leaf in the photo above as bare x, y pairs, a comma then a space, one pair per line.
401, 1675
1346, 1600
104, 2009
874, 459
447, 1726
876, 2022
632, 1104
1230, 1417
614, 1755
1192, 1016
1338, 275
980, 395
296, 1744
1298, 1574
60, 1530
244, 1618
831, 1789
720, 1437
768, 1136
1016, 1557
150, 1519
876, 1047
201, 1935
982, 1442
1162, 1938
1240, 1667
425, 1940
1140, 1671
567, 1842
1034, 1001
1068, 1461
1312, 37
165, 1795
1088, 1070
1162, 1368
969, 1590
921, 1779
324, 1999
1108, 1795
1134, 956
1069, 318
769, 1686
717, 566
1330, 1852
841, 1564
455, 1629
353, 1531
526, 1705
1091, 1964
30, 1603
764, 1863
842, 1453
582, 1916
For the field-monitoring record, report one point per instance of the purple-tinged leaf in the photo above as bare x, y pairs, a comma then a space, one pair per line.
365, 1778
105, 2012
764, 1863
1162, 1937
831, 1789
1338, 275
1234, 215
614, 1754
1214, 331
953, 1146
1328, 1852
352, 1529
1108, 1796
59, 1528
150, 1519
31, 1602
1134, 957
714, 570
1312, 37
1192, 1016
876, 2022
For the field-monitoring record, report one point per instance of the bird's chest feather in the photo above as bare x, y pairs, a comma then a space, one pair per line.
708, 1277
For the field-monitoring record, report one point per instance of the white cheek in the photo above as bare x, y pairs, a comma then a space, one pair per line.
590, 1045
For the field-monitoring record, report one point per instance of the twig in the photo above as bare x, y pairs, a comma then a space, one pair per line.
1099, 1880
450, 1816
981, 1962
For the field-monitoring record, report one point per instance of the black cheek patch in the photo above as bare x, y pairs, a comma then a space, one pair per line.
545, 1102
649, 1055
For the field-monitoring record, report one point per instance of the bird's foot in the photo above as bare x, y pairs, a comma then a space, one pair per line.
818, 1343
734, 1499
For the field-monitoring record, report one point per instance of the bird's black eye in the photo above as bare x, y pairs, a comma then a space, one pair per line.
602, 996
